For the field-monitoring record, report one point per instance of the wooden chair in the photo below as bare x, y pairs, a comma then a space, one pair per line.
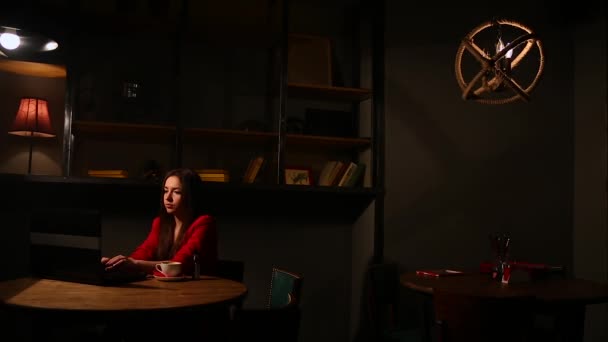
383, 306
280, 319
471, 319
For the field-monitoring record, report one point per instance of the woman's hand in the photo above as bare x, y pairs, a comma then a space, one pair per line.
121, 263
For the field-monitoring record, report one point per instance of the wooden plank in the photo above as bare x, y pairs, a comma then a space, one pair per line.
331, 93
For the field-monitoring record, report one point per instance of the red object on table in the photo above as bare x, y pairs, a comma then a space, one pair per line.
438, 272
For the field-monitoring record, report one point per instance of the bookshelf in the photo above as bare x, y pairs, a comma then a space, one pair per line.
122, 131
180, 120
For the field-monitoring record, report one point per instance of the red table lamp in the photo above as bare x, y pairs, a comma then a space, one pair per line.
32, 121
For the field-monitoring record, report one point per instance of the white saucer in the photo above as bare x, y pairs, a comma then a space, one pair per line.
180, 278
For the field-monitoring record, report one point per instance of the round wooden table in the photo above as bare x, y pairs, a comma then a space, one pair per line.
565, 299
555, 290
146, 295
39, 308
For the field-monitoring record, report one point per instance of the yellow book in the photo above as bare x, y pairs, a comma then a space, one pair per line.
255, 169
213, 175
108, 172
248, 171
108, 176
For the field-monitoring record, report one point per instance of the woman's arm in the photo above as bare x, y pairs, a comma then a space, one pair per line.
141, 258
127, 264
201, 239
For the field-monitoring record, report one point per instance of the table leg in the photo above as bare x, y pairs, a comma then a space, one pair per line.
424, 310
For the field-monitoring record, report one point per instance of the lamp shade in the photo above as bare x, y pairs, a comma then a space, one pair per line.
32, 119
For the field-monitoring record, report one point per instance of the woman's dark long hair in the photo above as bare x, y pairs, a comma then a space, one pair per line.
190, 191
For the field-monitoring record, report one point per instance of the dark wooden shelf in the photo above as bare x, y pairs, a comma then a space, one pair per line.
293, 202
321, 92
335, 143
123, 131
212, 135
163, 133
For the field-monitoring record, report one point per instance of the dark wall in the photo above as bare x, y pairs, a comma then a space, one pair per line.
457, 171
590, 238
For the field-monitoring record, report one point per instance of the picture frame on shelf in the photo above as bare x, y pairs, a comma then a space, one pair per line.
298, 176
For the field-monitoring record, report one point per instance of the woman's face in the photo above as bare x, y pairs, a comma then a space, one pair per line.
172, 197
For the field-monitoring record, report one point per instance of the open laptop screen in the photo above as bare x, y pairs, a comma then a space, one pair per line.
65, 244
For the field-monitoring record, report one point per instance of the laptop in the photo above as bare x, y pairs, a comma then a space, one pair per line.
65, 244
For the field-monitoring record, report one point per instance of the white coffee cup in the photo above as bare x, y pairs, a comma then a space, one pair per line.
169, 268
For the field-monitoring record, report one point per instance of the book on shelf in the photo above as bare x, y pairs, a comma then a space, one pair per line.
324, 176
213, 175
356, 176
348, 172
108, 173
336, 173
248, 170
253, 169
224, 179
339, 173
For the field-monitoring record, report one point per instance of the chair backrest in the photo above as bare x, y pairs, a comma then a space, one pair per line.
279, 320
231, 269
285, 288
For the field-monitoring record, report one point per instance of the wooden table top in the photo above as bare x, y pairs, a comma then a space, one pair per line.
577, 291
149, 294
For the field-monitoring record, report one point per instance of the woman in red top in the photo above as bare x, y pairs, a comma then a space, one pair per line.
178, 233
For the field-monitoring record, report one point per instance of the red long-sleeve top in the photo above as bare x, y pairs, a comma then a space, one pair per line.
200, 238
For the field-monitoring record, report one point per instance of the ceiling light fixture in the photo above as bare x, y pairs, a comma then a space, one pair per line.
18, 43
9, 38
495, 82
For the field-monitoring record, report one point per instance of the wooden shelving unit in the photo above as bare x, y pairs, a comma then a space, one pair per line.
122, 131
334, 143
229, 28
211, 135
314, 91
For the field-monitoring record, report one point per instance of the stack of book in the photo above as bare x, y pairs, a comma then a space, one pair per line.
214, 175
340, 173
108, 173
253, 169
